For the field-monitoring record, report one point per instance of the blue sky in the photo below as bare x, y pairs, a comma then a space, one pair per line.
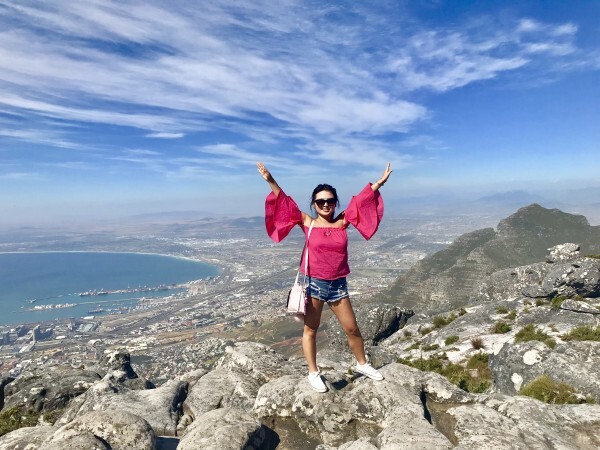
109, 109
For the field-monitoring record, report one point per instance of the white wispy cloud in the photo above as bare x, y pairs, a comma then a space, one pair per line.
269, 65
266, 71
165, 135
19, 176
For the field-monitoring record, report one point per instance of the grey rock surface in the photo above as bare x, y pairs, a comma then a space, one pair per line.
121, 430
220, 388
28, 438
160, 407
362, 407
375, 323
257, 361
580, 277
48, 389
575, 363
524, 423
75, 440
224, 429
561, 274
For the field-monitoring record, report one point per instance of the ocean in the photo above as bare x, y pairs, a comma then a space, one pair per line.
37, 287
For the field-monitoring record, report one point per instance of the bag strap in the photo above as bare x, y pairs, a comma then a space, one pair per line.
312, 222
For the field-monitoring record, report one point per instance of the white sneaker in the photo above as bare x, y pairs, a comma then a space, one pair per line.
314, 378
369, 371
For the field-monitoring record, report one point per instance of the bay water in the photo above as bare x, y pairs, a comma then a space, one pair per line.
35, 287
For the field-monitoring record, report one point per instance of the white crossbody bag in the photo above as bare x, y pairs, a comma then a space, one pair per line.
296, 303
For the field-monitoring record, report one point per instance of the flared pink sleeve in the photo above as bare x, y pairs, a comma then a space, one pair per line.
281, 215
365, 211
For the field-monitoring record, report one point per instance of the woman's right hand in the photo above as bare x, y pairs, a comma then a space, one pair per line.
264, 172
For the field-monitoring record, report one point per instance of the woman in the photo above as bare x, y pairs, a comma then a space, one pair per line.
328, 259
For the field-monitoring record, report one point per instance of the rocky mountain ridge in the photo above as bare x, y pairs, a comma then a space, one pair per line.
445, 280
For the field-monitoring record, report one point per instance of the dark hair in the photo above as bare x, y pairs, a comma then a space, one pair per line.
321, 188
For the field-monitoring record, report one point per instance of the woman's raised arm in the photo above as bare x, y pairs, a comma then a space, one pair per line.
264, 172
386, 174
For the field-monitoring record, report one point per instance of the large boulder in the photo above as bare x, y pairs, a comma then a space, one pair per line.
576, 363
224, 429
27, 438
121, 430
580, 277
220, 388
75, 440
361, 407
49, 388
160, 407
501, 423
257, 361
563, 273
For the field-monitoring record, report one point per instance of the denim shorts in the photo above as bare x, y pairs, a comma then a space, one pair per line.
327, 290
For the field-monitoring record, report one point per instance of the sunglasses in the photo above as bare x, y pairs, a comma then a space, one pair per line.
325, 201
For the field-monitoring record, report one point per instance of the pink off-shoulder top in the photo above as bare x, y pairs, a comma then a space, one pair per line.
328, 247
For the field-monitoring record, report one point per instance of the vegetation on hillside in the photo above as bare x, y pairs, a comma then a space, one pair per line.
549, 390
473, 376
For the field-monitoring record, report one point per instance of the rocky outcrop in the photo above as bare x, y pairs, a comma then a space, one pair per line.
564, 273
375, 323
263, 400
160, 407
224, 429
119, 429
48, 389
4, 380
26, 438
574, 363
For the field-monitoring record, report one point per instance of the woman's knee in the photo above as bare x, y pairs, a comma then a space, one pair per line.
352, 331
310, 331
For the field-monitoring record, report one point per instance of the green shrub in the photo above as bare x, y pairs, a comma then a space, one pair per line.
425, 330
557, 301
501, 310
14, 418
549, 390
442, 321
407, 333
52, 416
415, 346
455, 373
477, 343
530, 333
429, 347
540, 302
593, 256
583, 333
451, 340
511, 315
501, 328
462, 312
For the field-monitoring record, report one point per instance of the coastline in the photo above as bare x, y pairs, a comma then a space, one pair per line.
184, 288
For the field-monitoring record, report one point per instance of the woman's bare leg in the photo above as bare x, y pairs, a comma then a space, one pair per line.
345, 314
312, 319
